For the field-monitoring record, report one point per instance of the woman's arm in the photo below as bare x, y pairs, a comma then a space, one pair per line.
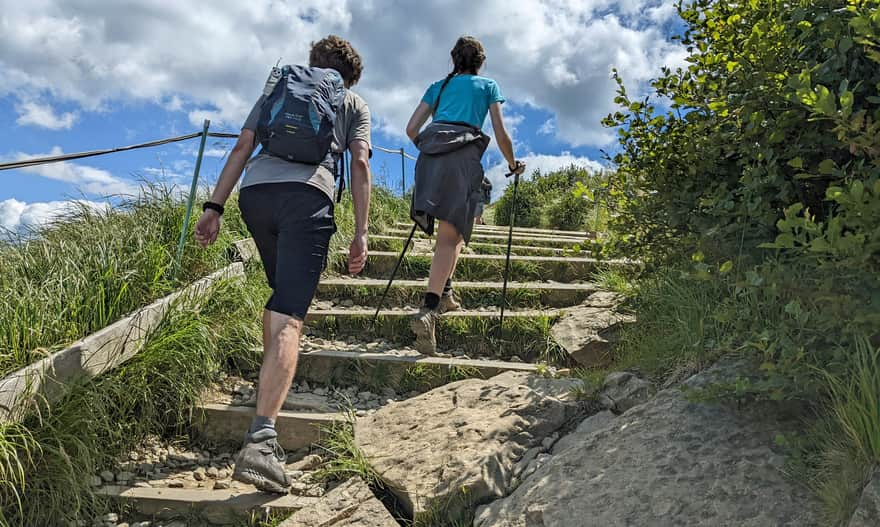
419, 118
504, 142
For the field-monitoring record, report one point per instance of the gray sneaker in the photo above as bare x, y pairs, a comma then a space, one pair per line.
423, 326
448, 303
260, 464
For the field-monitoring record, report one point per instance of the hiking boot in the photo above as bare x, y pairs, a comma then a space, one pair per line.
423, 326
448, 303
260, 464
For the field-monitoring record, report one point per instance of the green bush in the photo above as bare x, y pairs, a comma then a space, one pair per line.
550, 200
765, 168
766, 163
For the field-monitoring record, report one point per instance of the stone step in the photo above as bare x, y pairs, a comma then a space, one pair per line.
368, 291
504, 228
402, 372
381, 242
542, 240
526, 333
483, 266
225, 424
217, 507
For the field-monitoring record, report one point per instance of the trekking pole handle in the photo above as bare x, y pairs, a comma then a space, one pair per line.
518, 168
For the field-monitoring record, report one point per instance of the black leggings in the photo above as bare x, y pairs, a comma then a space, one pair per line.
291, 224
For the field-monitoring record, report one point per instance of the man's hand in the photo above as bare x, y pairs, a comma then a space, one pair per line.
207, 228
357, 254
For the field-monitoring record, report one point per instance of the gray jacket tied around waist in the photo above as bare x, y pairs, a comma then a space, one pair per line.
449, 175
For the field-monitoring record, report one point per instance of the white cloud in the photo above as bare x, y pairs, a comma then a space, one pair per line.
542, 162
44, 116
16, 215
89, 180
211, 62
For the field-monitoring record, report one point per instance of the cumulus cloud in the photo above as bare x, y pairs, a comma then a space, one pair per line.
212, 62
541, 162
89, 180
44, 116
17, 215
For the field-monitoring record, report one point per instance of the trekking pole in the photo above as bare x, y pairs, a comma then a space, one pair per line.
507, 259
393, 274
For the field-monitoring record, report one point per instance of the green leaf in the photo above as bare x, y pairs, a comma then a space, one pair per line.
857, 190
698, 256
726, 267
825, 102
845, 44
827, 166
796, 163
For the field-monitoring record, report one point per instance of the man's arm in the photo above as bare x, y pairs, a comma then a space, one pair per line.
208, 225
360, 192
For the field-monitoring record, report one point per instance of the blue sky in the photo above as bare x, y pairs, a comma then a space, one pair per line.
128, 74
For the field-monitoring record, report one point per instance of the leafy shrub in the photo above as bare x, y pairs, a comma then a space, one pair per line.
548, 200
767, 159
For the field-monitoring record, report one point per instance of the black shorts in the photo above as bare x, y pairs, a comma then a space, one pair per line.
291, 224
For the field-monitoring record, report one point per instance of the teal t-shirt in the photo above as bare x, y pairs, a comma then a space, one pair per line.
466, 99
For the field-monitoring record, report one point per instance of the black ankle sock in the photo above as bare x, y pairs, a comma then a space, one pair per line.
447, 289
432, 300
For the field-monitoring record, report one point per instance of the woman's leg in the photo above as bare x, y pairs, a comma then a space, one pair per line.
446, 253
449, 244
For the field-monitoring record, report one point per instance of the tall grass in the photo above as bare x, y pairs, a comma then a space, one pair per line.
680, 324
102, 418
91, 267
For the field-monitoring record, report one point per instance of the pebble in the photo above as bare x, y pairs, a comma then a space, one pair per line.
295, 474
96, 481
199, 474
122, 525
141, 524
133, 456
222, 473
176, 484
124, 477
110, 517
221, 485
360, 413
320, 391
212, 472
107, 476
515, 358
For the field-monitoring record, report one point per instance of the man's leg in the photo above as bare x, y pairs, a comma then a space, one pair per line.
280, 352
303, 237
446, 253
448, 301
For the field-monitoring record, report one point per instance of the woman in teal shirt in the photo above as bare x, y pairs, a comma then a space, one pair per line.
459, 105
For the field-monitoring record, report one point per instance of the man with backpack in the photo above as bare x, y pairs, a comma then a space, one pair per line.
305, 120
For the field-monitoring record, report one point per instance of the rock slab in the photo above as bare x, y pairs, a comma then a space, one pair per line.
351, 504
457, 445
588, 331
666, 462
623, 390
868, 511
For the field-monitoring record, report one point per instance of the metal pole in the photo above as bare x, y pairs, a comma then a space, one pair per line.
507, 260
192, 196
393, 274
402, 172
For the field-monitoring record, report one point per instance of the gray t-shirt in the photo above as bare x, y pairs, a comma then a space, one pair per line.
352, 124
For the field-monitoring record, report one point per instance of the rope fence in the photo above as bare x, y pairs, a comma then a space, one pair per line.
204, 134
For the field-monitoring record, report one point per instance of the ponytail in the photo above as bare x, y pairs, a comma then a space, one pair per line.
442, 87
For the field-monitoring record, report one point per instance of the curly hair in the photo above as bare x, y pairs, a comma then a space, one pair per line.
337, 53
